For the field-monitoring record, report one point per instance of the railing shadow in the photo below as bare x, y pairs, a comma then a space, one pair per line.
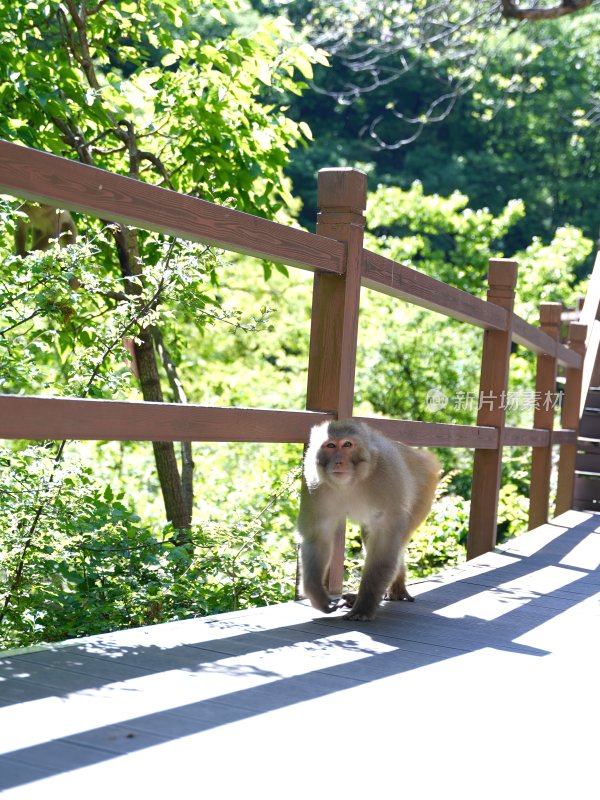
66, 707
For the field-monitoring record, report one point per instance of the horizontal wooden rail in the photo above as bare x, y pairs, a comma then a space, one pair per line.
387, 276
341, 265
564, 436
69, 418
45, 178
435, 434
526, 437
57, 418
537, 341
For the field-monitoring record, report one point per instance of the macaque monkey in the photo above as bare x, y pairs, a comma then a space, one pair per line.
352, 470
45, 223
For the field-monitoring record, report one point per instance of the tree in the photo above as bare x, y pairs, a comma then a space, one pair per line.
512, 10
130, 90
374, 46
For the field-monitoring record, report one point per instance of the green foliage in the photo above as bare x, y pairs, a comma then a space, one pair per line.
129, 89
181, 95
92, 564
208, 115
63, 316
526, 126
441, 540
441, 236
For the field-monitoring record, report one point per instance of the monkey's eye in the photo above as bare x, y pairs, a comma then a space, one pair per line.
348, 443
330, 445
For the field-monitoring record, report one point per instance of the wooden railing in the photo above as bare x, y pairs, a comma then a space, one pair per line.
340, 263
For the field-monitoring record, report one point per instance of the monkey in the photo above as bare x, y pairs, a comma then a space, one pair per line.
44, 223
352, 470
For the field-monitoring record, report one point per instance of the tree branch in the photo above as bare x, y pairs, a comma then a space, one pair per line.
187, 461
511, 10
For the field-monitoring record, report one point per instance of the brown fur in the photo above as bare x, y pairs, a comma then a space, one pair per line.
351, 470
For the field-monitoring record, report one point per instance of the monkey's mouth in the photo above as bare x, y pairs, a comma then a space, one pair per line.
342, 475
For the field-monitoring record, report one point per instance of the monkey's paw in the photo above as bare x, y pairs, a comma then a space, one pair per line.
358, 616
347, 600
402, 595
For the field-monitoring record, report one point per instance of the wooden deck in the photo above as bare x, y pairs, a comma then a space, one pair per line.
487, 686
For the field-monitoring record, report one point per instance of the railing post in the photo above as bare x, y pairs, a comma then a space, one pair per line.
570, 419
543, 417
493, 387
342, 199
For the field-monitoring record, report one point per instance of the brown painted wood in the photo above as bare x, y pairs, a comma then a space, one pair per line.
586, 488
568, 358
589, 424
342, 199
593, 399
434, 434
502, 278
588, 462
397, 280
534, 339
541, 343
69, 418
572, 402
564, 436
31, 174
543, 417
526, 437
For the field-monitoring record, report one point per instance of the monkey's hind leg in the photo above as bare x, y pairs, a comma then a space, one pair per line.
398, 590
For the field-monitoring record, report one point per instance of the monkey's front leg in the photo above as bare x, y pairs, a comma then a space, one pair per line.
316, 556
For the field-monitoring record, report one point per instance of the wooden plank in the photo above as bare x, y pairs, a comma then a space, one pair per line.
593, 399
586, 488
434, 434
588, 462
533, 338
493, 386
342, 199
541, 343
567, 357
387, 276
222, 684
543, 417
69, 418
590, 424
564, 436
334, 321
526, 437
31, 174
572, 404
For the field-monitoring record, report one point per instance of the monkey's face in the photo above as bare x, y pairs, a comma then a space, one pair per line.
338, 458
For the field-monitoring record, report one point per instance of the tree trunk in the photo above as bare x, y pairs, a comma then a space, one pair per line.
178, 511
176, 508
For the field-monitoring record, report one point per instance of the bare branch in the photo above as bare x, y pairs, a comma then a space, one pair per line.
375, 44
187, 461
511, 10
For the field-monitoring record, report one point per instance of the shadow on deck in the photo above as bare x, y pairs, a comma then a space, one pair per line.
486, 686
